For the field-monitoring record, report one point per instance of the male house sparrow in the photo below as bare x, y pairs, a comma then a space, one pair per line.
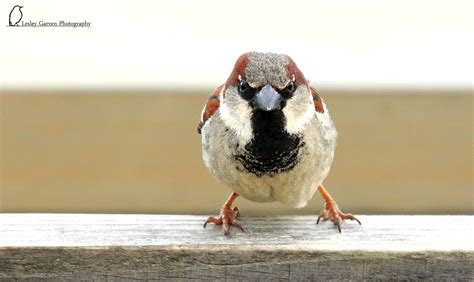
268, 135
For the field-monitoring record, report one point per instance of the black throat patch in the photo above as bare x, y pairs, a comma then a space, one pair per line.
272, 150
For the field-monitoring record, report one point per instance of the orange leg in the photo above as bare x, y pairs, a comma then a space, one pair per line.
331, 210
228, 216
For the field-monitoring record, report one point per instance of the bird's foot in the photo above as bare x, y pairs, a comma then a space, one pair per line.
332, 212
227, 218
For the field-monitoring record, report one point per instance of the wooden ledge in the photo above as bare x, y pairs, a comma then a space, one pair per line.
105, 247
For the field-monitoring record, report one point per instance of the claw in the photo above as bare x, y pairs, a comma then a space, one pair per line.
226, 219
332, 212
214, 220
351, 217
238, 225
317, 221
225, 226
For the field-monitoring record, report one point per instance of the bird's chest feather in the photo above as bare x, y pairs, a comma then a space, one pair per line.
275, 166
272, 150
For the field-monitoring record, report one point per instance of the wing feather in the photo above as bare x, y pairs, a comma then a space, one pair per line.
211, 106
317, 100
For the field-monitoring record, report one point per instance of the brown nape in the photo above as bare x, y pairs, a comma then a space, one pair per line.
317, 100
239, 69
292, 69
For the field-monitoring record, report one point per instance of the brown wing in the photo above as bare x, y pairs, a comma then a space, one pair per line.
211, 107
317, 100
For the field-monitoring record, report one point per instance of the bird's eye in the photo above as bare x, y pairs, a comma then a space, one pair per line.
291, 87
246, 91
243, 86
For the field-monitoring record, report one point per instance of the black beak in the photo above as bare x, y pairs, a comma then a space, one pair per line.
267, 99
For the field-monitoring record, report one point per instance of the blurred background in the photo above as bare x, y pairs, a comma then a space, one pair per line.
103, 119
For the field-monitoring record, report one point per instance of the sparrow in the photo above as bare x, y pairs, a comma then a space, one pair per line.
267, 134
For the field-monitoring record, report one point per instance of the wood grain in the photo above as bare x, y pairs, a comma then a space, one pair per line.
146, 247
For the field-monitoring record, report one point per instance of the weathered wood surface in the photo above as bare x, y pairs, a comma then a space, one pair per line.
130, 247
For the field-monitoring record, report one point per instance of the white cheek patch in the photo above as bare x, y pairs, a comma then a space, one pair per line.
324, 117
327, 123
298, 114
237, 119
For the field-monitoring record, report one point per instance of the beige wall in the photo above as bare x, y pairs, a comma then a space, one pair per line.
400, 152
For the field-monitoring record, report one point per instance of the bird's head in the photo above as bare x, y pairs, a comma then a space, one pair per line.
17, 7
266, 85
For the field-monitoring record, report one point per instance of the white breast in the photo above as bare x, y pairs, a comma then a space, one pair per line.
295, 187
